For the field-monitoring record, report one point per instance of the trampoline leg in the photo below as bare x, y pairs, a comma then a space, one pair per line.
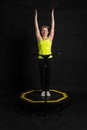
60, 110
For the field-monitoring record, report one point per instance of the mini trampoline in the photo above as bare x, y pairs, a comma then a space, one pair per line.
58, 100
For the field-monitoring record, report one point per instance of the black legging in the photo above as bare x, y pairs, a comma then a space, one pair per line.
45, 72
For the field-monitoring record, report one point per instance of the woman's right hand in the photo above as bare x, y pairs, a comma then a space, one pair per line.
35, 12
52, 12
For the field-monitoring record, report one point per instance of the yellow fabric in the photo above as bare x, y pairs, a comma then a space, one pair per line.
44, 47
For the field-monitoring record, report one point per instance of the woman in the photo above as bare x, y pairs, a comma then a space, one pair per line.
44, 40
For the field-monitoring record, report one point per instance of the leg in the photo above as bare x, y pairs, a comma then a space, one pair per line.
48, 74
42, 73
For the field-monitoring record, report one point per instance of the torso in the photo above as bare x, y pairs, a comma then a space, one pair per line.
44, 47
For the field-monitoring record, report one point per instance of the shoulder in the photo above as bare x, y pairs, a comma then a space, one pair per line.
39, 39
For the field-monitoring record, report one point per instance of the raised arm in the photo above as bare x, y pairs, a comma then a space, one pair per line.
51, 35
38, 36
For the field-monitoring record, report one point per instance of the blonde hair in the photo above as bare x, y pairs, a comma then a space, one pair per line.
44, 26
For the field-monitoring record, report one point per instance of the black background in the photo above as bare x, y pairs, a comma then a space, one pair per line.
19, 67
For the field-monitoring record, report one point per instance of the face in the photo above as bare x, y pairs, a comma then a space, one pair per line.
44, 32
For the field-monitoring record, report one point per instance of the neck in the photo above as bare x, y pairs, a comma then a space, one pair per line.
44, 37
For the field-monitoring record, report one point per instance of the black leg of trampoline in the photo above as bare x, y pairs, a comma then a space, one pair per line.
60, 109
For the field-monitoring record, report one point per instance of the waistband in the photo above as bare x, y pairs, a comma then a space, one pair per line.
45, 56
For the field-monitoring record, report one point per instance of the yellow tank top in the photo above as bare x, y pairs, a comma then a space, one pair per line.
44, 48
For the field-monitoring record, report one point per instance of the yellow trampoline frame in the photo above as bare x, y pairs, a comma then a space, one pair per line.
64, 96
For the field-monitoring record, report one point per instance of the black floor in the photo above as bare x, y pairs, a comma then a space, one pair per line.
74, 117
